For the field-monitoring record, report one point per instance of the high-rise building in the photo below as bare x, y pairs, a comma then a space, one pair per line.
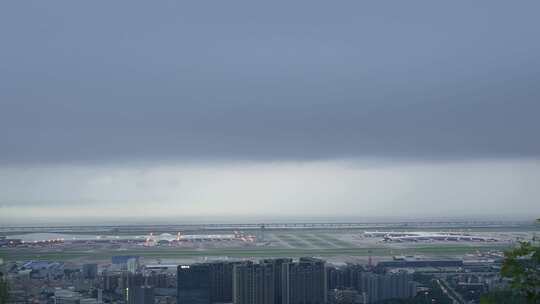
100, 296
373, 286
379, 287
336, 277
110, 281
159, 280
221, 281
119, 262
132, 265
141, 295
304, 282
253, 283
278, 276
130, 282
193, 284
367, 283
89, 271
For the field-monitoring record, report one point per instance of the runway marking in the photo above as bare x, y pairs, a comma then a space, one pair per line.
333, 240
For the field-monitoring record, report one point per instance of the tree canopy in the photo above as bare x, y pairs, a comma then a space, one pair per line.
522, 265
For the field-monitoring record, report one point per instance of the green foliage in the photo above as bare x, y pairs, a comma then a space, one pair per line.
522, 265
3, 291
502, 297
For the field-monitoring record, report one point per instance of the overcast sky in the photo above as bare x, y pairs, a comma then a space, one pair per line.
283, 108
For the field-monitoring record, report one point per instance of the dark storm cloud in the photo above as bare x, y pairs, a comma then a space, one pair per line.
85, 81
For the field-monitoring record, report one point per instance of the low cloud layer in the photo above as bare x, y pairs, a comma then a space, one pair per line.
331, 189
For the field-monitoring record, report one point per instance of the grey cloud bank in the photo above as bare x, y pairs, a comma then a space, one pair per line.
102, 81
